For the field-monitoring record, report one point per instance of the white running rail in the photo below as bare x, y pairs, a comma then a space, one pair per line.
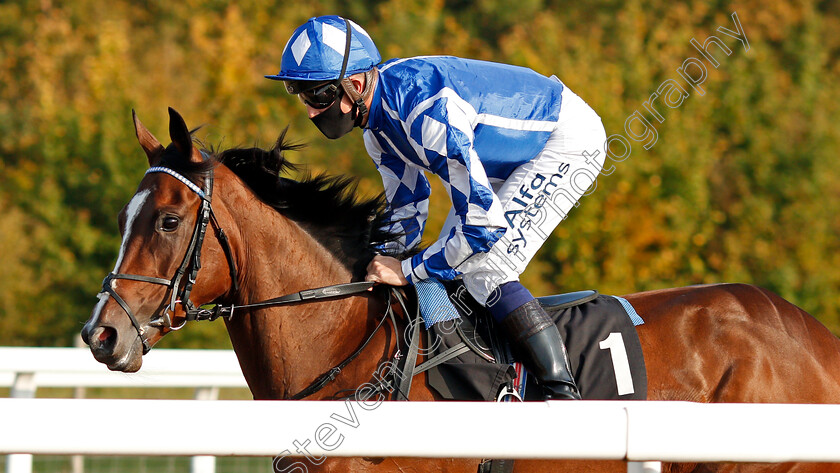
26, 369
604, 430
639, 432
75, 367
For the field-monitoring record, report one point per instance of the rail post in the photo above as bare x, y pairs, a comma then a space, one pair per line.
23, 388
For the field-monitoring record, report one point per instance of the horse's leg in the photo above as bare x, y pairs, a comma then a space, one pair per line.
569, 466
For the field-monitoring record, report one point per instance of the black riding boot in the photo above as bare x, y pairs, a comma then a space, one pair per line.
538, 342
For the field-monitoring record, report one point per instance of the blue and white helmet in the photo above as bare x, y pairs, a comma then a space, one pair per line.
315, 52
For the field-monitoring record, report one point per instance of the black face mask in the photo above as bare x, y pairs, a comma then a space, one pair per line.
334, 123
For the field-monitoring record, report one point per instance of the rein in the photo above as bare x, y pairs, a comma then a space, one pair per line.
192, 261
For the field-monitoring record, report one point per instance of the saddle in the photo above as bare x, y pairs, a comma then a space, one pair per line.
469, 359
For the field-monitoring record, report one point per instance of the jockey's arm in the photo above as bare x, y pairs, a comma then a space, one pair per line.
448, 133
407, 191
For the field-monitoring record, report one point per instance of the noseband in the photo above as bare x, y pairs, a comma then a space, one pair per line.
192, 260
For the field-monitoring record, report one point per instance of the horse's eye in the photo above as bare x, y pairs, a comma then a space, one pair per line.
170, 223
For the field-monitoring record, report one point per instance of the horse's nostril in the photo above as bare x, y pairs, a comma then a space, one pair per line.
106, 333
103, 339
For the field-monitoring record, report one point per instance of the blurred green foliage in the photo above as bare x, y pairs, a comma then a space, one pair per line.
741, 185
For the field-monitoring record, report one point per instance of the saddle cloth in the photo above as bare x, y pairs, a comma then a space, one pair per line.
600, 335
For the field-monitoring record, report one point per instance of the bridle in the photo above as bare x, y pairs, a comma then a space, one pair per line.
192, 261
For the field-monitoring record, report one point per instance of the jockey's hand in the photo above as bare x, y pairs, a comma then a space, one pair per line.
386, 270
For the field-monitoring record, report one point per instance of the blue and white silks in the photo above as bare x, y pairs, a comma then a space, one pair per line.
469, 122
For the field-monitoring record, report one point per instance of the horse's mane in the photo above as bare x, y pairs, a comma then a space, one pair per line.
327, 207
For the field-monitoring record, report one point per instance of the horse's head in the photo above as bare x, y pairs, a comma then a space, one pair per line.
148, 293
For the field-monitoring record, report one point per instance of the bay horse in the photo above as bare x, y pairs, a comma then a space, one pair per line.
268, 235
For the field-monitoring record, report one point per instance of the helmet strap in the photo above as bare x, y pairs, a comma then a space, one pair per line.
360, 110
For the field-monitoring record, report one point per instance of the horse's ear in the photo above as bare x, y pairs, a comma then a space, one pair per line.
181, 138
147, 140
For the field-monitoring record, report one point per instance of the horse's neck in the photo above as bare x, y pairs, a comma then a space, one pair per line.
283, 349
289, 260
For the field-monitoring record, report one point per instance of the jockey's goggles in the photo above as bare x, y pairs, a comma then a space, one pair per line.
321, 95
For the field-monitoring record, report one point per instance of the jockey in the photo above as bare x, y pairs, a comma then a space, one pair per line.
508, 144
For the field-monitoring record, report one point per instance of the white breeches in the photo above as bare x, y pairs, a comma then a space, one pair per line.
537, 196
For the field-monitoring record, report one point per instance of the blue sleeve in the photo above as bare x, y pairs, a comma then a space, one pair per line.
443, 137
407, 192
